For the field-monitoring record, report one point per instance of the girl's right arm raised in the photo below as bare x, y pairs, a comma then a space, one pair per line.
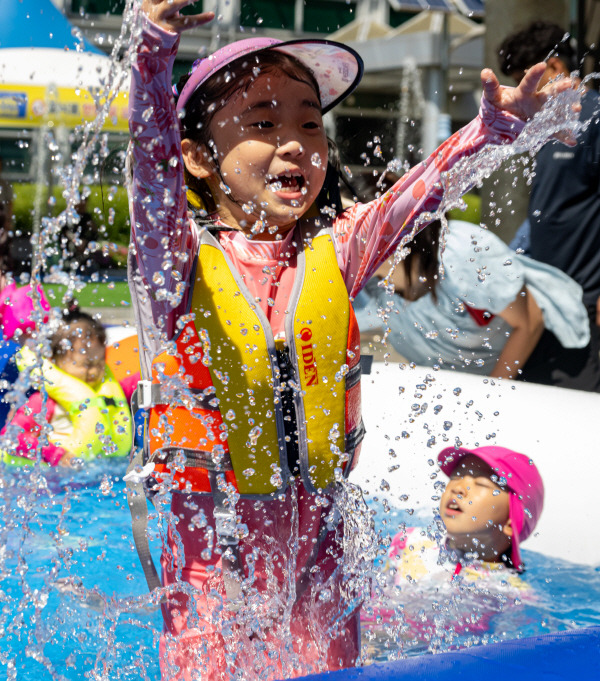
160, 228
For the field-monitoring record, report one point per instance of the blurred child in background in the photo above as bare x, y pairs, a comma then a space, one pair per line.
85, 406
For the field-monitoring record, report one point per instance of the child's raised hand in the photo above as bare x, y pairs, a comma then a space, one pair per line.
525, 100
165, 13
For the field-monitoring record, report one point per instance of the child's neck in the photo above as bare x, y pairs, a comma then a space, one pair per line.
267, 233
482, 547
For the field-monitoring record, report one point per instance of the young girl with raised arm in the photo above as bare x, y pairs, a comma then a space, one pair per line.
243, 268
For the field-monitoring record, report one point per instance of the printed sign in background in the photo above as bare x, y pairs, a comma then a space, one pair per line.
29, 106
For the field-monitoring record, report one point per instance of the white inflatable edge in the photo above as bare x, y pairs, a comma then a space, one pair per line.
554, 426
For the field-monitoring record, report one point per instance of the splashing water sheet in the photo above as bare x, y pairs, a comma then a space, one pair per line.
74, 600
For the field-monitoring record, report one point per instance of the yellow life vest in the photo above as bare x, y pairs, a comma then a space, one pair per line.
215, 400
101, 418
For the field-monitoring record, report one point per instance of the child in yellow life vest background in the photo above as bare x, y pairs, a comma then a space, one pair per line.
242, 268
85, 406
461, 578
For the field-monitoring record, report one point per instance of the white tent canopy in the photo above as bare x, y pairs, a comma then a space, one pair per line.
45, 66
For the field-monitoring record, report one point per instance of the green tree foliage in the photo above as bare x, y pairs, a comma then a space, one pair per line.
108, 206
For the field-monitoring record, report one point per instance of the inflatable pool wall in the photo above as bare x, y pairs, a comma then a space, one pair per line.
567, 655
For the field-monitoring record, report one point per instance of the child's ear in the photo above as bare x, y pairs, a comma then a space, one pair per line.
507, 528
197, 159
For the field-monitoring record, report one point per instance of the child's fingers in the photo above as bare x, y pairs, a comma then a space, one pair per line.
529, 84
166, 13
183, 23
566, 137
490, 85
171, 8
167, 7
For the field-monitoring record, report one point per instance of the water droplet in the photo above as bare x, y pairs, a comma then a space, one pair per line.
253, 436
106, 485
325, 595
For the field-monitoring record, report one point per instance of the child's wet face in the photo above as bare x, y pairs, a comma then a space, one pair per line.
473, 506
85, 360
272, 152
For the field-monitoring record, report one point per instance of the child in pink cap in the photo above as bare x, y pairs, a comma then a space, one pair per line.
243, 267
437, 587
492, 502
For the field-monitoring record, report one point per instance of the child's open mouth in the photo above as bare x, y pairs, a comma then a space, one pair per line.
287, 183
453, 509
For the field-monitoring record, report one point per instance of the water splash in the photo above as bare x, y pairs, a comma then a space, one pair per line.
101, 628
556, 117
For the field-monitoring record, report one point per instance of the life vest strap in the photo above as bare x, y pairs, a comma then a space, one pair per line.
194, 458
355, 437
225, 527
149, 394
353, 376
138, 507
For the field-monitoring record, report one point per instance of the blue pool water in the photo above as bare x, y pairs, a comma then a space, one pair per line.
74, 602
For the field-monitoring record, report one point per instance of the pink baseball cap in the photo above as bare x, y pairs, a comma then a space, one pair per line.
337, 68
521, 477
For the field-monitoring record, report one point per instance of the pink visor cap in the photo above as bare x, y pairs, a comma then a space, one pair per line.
337, 68
522, 479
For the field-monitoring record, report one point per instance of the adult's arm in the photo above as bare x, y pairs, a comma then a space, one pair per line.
527, 322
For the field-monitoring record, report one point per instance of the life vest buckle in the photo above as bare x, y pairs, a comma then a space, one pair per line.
225, 525
144, 395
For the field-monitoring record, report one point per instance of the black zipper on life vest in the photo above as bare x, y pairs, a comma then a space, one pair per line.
290, 423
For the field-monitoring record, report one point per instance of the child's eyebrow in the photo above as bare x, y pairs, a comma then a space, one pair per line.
271, 104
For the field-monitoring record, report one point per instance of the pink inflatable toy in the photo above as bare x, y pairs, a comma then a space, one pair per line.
16, 309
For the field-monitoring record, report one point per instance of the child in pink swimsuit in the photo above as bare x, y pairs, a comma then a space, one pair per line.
242, 272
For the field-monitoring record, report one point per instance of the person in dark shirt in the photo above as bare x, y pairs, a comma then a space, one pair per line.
564, 207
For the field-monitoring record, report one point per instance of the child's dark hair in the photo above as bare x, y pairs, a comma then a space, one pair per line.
212, 96
537, 42
75, 324
424, 250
